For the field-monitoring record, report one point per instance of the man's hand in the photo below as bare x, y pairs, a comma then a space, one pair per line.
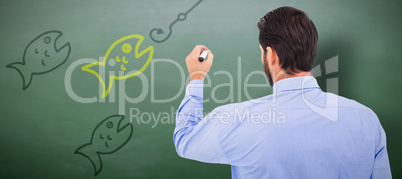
198, 69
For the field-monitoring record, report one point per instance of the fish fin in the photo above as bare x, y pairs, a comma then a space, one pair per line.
106, 83
108, 86
25, 74
92, 155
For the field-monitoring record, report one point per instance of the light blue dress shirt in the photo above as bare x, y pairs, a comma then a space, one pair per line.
297, 132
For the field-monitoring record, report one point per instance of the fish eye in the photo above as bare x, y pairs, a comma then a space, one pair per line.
47, 40
126, 48
109, 125
101, 136
36, 50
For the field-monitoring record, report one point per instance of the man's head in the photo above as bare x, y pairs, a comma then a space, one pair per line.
288, 42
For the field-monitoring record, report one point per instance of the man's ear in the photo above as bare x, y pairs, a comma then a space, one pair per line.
271, 56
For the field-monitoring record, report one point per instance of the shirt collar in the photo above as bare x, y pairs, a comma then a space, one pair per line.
295, 83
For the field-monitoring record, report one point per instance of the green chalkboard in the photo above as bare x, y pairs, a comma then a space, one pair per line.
73, 74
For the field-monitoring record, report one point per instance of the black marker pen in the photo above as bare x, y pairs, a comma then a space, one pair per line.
203, 56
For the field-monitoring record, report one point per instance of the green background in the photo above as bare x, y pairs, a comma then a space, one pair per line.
41, 127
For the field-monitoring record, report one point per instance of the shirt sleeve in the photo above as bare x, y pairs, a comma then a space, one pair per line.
381, 168
196, 137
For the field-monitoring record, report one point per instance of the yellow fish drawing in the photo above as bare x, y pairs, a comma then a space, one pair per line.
122, 60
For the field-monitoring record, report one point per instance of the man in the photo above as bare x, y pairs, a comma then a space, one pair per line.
319, 135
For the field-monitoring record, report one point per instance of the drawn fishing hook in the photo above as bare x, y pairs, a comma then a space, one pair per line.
180, 17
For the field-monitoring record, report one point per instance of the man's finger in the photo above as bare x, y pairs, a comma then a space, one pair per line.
210, 58
198, 49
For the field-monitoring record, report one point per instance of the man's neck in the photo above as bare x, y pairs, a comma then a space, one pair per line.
282, 75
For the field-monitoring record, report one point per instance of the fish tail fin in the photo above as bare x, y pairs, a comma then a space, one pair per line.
105, 80
92, 155
107, 86
24, 72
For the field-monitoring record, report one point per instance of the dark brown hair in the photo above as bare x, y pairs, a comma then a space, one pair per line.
292, 35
